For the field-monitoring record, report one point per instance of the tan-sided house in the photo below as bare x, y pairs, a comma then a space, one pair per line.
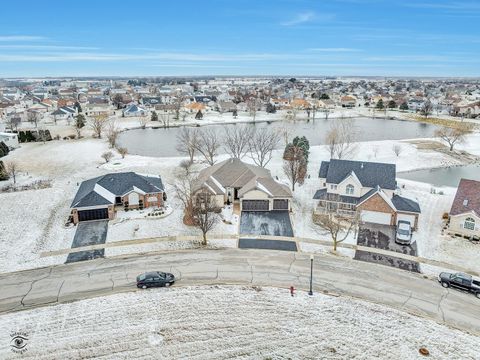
233, 181
465, 211
98, 198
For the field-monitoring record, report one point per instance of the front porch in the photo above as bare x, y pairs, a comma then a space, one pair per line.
335, 207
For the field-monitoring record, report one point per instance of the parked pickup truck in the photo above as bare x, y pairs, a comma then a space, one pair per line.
460, 281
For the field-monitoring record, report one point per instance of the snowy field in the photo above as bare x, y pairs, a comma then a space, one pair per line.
229, 322
31, 222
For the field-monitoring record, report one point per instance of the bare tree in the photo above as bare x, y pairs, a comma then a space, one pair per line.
183, 186
339, 227
143, 122
13, 123
208, 144
454, 135
340, 139
33, 117
187, 142
164, 117
205, 213
122, 151
98, 123
236, 141
107, 156
295, 165
12, 170
112, 133
426, 108
261, 144
252, 105
177, 105
397, 149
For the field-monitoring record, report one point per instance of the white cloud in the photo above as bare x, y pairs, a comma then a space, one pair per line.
20, 38
334, 50
300, 19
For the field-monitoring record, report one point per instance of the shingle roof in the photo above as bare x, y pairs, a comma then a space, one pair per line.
267, 185
370, 174
322, 194
404, 204
467, 197
118, 184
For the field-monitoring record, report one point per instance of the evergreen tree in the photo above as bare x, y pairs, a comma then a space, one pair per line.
80, 121
199, 115
324, 97
404, 106
392, 104
154, 116
380, 104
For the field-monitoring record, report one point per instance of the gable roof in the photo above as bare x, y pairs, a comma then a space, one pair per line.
267, 185
369, 174
404, 204
229, 173
98, 191
467, 197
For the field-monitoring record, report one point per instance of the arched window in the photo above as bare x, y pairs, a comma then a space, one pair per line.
350, 189
469, 224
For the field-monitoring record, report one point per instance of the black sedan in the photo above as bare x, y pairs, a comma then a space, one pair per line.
155, 279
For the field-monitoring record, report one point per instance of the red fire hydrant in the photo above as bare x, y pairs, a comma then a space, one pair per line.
292, 290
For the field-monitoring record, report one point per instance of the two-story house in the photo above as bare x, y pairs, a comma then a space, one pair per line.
349, 186
465, 211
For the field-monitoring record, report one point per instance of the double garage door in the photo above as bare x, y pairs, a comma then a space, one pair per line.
376, 217
94, 214
255, 205
263, 205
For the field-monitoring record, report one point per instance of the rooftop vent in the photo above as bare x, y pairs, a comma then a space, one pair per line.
465, 202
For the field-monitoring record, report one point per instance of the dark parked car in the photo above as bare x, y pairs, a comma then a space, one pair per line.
460, 281
155, 279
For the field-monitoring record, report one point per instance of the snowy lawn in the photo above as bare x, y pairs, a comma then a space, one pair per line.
229, 322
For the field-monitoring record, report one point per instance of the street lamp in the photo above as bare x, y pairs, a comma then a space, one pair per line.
311, 276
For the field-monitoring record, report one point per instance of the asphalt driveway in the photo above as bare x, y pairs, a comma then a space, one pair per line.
267, 244
383, 237
276, 223
89, 233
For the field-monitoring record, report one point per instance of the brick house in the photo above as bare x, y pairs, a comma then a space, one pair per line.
350, 186
465, 211
100, 197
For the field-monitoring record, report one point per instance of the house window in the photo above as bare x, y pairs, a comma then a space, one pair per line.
333, 187
469, 224
350, 189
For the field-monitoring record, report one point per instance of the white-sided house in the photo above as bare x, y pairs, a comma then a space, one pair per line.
9, 139
252, 187
134, 110
98, 198
465, 211
350, 186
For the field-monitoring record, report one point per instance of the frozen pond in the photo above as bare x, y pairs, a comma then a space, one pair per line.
162, 142
444, 176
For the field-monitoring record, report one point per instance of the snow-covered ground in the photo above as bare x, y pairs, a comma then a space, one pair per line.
31, 222
229, 322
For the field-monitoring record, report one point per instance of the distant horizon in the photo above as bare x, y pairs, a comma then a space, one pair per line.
335, 38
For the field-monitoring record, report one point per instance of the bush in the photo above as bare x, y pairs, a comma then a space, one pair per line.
445, 216
3, 172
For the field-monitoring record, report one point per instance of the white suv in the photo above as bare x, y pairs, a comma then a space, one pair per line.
404, 233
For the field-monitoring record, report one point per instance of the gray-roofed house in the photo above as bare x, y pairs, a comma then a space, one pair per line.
349, 186
98, 198
252, 187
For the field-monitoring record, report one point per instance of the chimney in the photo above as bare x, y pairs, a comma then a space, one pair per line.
361, 166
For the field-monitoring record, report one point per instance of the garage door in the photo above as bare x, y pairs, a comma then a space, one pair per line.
255, 205
280, 204
95, 214
376, 217
406, 217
